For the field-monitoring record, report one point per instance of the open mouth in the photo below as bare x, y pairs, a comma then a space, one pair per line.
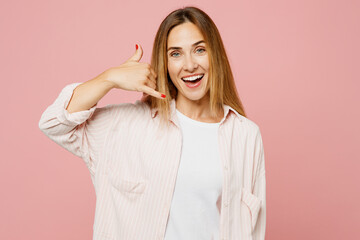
193, 80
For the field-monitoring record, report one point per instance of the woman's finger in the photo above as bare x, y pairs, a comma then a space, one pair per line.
150, 84
152, 79
153, 73
151, 92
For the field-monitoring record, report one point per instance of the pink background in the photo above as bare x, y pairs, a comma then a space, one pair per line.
296, 64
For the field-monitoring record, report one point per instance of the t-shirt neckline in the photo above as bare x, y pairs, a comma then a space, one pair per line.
204, 124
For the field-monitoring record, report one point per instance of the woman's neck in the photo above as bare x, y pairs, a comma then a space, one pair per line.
198, 110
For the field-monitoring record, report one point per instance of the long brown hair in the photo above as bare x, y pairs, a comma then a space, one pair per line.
222, 86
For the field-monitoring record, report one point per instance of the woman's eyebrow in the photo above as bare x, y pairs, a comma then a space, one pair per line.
198, 42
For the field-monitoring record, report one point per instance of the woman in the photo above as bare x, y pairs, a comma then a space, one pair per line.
188, 165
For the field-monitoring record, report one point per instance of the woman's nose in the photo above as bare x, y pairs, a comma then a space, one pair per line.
190, 63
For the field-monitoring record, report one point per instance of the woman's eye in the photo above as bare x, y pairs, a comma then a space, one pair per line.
176, 54
172, 54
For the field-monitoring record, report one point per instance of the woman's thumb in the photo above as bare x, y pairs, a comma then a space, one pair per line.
137, 55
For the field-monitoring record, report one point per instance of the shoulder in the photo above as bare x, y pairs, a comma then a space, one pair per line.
241, 122
249, 130
248, 125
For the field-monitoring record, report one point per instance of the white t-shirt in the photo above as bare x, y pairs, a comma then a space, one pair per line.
194, 214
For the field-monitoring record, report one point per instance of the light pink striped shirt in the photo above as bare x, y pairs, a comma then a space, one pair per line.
133, 166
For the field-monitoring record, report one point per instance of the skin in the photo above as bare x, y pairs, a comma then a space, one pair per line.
188, 60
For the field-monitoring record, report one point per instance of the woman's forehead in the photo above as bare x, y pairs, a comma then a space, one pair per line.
185, 34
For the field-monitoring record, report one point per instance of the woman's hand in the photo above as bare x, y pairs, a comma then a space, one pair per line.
133, 75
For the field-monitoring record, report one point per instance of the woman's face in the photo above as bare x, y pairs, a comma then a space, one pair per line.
188, 58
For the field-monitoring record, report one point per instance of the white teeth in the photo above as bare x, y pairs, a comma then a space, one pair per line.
193, 78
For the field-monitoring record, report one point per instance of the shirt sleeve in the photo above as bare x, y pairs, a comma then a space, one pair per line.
81, 133
260, 189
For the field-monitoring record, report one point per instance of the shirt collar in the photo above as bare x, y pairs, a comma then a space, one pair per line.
227, 110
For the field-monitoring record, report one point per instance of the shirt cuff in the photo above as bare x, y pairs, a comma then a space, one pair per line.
74, 118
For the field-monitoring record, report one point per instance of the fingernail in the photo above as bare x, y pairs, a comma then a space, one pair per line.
163, 96
136, 46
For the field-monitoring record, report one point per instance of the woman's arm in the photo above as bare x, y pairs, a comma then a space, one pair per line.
81, 133
132, 75
74, 122
88, 94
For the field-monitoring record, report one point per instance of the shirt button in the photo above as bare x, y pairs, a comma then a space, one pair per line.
226, 204
225, 167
